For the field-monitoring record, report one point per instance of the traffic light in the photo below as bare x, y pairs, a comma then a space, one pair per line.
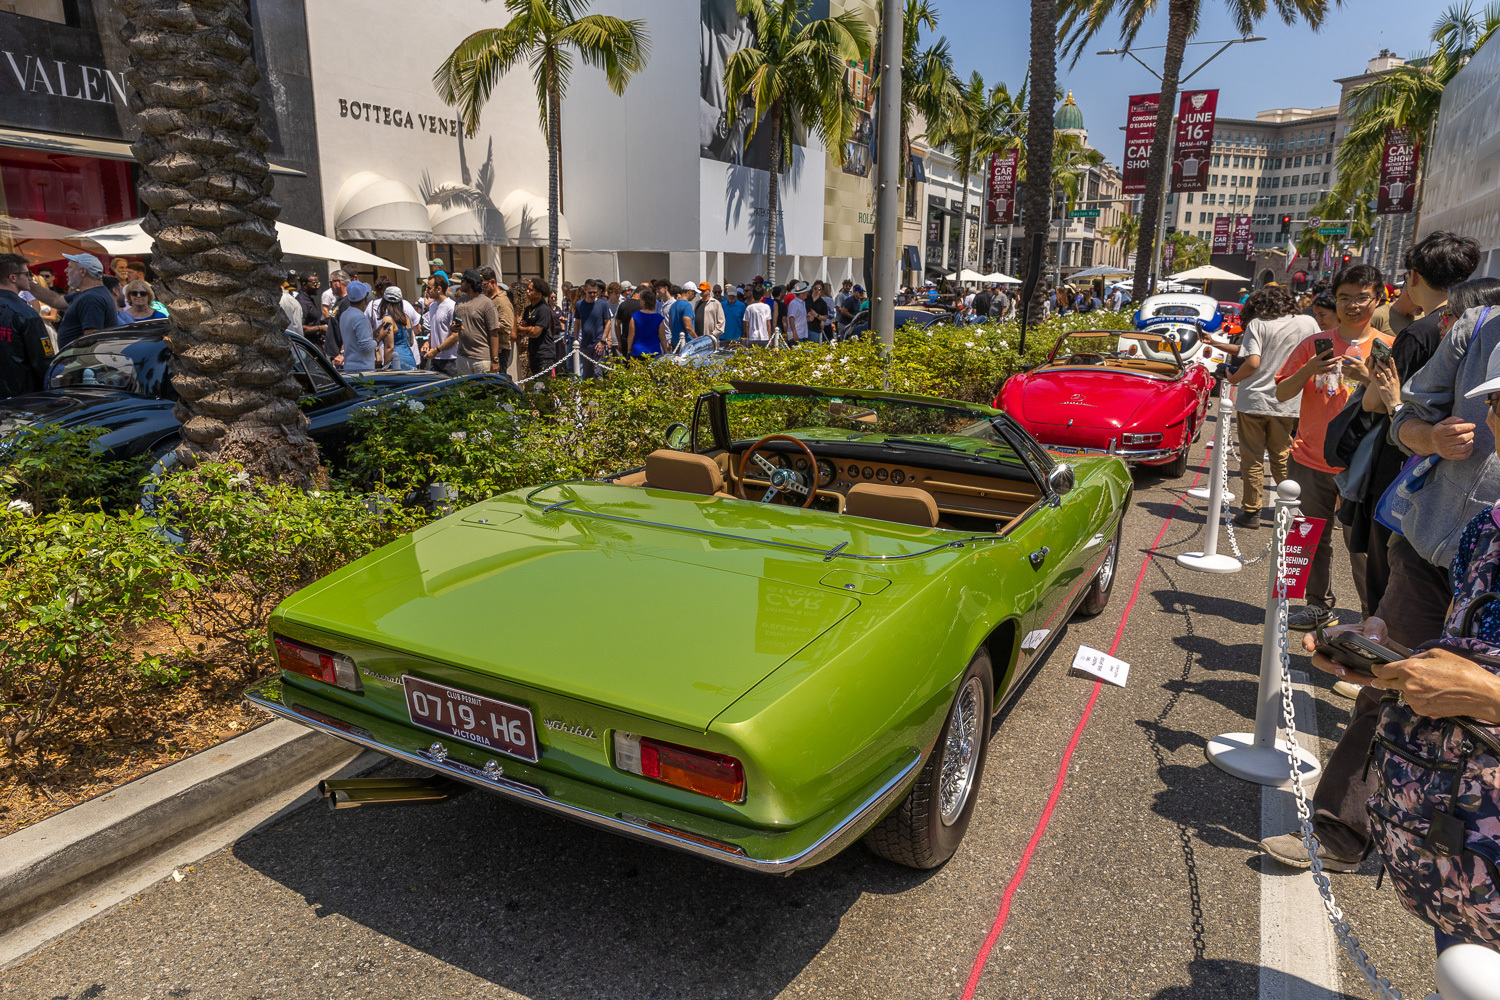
1346, 259
1286, 222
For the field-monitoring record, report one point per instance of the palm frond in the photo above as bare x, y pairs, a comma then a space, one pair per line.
619, 47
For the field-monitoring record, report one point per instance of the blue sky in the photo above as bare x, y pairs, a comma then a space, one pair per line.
1293, 67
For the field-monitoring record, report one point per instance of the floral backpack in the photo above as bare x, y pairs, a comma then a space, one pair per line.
1435, 814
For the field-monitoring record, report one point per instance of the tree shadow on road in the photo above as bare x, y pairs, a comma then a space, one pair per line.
1226, 979
554, 911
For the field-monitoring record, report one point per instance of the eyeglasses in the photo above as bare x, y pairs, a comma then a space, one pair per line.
139, 295
1345, 302
1493, 399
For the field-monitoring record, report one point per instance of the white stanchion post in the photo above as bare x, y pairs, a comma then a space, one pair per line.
1209, 560
1260, 756
1218, 447
1468, 972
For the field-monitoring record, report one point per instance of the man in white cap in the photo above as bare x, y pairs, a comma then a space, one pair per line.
796, 314
89, 307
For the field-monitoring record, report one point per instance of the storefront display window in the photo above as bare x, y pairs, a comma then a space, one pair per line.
73, 191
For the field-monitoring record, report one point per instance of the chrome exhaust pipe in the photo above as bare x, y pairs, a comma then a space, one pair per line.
352, 793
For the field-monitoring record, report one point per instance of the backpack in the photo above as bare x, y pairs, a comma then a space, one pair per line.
1435, 813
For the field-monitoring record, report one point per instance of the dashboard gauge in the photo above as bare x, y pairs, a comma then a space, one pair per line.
882, 475
853, 472
898, 477
826, 472
869, 472
801, 464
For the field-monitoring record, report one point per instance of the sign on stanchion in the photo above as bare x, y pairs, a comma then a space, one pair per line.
1209, 560
1260, 756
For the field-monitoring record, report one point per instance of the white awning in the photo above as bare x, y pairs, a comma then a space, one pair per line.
468, 224
526, 221
129, 237
372, 206
77, 145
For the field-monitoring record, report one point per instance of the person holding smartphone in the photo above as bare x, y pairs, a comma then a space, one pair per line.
1323, 369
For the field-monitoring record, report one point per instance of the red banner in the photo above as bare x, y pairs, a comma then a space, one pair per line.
1003, 169
1223, 228
1301, 543
1398, 172
1195, 138
1244, 242
1140, 133
1168, 256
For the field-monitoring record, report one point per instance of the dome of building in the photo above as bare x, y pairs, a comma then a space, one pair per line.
1069, 118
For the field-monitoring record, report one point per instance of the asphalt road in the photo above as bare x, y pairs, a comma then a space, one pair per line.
1144, 884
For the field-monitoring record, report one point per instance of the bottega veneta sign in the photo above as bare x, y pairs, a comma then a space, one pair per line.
379, 114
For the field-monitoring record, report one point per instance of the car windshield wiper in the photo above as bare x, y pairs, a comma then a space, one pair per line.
920, 444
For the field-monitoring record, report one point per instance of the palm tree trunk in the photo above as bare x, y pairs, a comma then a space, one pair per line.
1180, 17
210, 213
772, 191
1039, 139
554, 172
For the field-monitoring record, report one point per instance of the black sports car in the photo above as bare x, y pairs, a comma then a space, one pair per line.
121, 380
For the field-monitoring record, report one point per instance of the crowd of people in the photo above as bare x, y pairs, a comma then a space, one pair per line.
1359, 394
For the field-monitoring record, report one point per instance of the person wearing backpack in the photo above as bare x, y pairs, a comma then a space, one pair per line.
1435, 756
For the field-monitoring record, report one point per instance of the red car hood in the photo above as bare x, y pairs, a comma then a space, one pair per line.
1098, 399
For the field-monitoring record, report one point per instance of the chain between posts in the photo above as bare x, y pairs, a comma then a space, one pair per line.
1341, 929
1234, 543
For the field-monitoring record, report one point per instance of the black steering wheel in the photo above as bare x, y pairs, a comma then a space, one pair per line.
782, 481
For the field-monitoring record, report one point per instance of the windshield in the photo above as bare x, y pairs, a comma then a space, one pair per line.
876, 423
127, 364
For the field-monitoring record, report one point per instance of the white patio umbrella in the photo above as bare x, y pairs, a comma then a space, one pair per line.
1100, 271
1209, 272
41, 241
996, 278
129, 237
967, 275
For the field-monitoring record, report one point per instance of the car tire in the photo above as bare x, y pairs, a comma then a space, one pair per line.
1097, 598
926, 828
1178, 466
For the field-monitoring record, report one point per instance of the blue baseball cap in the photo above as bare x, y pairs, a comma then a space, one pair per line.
358, 291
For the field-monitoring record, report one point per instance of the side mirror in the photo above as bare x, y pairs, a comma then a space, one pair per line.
679, 437
1061, 480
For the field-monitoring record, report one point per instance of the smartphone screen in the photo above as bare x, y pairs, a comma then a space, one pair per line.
1378, 351
1323, 345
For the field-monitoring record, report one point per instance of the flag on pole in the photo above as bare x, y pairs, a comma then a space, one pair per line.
1291, 254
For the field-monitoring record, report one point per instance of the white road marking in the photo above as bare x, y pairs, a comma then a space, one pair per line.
1298, 951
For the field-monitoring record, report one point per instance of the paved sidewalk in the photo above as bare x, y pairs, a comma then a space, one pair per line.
1144, 885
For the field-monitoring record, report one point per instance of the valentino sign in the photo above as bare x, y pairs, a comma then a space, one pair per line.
379, 114
57, 78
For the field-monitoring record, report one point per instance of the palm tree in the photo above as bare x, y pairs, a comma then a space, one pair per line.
795, 73
1039, 136
1192, 251
212, 220
1083, 19
976, 131
1125, 234
1071, 162
1408, 96
545, 35
929, 85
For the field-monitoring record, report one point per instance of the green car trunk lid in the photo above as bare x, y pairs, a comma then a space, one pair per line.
668, 634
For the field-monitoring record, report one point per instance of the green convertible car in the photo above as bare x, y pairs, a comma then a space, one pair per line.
790, 629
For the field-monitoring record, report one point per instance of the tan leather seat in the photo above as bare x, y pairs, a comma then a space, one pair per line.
683, 472
901, 504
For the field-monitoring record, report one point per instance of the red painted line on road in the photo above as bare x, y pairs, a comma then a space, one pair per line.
1062, 769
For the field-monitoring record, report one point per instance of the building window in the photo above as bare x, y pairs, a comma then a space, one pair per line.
1325, 177
1190, 197
911, 199
56, 11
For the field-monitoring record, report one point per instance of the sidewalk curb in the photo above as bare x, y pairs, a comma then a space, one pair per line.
42, 865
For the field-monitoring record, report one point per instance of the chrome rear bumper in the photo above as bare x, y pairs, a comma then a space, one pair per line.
843, 833
1128, 454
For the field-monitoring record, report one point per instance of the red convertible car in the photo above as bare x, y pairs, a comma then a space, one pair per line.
1110, 391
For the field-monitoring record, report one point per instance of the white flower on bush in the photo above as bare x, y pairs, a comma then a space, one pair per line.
21, 505
240, 478
415, 405
486, 436
458, 437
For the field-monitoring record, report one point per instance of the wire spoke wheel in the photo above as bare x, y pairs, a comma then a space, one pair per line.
960, 755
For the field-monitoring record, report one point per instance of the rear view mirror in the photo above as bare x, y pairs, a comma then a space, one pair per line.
678, 437
1061, 479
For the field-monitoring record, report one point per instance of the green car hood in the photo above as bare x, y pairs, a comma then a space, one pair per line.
626, 611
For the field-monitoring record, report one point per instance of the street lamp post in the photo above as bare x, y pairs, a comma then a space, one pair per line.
888, 177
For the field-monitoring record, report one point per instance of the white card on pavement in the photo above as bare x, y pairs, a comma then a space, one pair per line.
1034, 640
1091, 662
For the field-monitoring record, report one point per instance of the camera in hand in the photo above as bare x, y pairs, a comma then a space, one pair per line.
1350, 649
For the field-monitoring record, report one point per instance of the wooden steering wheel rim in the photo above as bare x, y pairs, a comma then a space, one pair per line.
812, 489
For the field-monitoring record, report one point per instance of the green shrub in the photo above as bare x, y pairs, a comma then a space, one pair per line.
49, 467
74, 589
252, 543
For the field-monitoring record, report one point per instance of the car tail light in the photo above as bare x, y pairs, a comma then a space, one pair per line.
1140, 439
700, 771
319, 664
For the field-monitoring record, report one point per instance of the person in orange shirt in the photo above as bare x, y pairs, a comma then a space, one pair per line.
1325, 369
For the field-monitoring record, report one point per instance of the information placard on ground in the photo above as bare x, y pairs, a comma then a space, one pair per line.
1084, 213
1099, 665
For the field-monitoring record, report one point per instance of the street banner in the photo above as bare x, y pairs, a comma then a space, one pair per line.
1003, 168
1223, 228
1140, 133
1398, 172
1195, 137
1168, 255
1244, 242
1301, 543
